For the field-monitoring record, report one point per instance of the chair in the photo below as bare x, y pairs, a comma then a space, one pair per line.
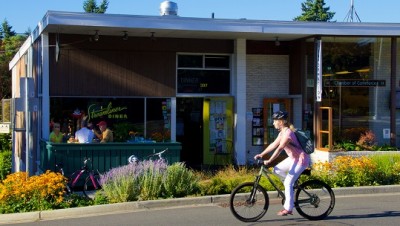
223, 151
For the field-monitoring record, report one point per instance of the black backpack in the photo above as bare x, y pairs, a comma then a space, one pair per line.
306, 143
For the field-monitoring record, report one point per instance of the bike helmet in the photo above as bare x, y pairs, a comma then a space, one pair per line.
133, 159
280, 115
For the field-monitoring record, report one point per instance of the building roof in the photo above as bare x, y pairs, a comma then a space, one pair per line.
188, 27
201, 28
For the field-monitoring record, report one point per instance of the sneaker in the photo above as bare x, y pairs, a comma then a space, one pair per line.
284, 213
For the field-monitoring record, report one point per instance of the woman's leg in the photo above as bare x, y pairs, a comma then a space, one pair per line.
292, 175
282, 168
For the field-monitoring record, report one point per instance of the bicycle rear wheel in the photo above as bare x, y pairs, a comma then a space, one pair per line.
249, 203
90, 187
314, 200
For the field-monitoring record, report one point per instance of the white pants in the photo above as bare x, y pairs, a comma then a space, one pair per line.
289, 170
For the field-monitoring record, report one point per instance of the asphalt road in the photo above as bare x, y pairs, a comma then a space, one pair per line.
360, 209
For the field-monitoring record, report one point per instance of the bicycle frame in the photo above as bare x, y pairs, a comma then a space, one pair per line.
264, 171
76, 179
249, 201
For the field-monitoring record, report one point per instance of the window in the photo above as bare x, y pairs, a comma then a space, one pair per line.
208, 74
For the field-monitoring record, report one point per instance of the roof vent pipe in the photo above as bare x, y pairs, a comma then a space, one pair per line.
168, 8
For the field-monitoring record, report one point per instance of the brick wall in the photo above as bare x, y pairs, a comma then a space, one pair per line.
267, 76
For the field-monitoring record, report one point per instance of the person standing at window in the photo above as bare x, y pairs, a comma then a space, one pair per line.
106, 134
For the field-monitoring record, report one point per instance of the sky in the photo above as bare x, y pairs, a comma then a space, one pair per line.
25, 14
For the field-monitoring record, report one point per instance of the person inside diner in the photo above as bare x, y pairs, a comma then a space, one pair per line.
84, 135
106, 134
56, 136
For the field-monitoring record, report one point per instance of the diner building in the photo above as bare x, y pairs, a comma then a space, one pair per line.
209, 85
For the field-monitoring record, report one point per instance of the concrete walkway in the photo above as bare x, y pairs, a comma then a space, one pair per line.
165, 203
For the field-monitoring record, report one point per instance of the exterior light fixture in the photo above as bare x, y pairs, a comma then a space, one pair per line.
152, 37
125, 36
277, 42
96, 36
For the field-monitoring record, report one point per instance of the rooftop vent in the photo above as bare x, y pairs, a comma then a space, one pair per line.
168, 8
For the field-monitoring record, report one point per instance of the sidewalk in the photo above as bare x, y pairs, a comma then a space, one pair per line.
165, 203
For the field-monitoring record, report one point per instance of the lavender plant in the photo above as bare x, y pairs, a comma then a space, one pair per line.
134, 181
152, 180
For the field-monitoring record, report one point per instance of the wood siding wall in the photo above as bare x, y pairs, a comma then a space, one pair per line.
114, 67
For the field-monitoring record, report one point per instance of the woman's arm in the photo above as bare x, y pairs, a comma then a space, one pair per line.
282, 144
270, 148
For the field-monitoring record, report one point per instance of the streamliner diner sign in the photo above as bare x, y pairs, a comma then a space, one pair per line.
96, 111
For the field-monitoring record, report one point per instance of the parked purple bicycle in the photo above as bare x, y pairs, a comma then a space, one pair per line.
91, 183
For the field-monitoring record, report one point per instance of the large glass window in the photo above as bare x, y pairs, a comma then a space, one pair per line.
126, 117
356, 84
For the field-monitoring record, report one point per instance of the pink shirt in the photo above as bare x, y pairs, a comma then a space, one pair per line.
293, 148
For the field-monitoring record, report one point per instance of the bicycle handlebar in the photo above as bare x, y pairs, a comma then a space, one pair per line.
158, 153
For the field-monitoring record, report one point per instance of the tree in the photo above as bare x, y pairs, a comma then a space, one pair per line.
90, 6
9, 45
314, 10
6, 30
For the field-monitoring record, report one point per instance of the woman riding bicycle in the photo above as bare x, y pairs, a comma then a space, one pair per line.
291, 167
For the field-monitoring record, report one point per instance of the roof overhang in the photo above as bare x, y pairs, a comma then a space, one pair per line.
201, 28
207, 28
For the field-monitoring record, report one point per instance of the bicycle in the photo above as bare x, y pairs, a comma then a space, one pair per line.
313, 199
134, 159
91, 183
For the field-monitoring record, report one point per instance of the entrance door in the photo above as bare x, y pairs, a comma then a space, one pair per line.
272, 105
189, 130
218, 131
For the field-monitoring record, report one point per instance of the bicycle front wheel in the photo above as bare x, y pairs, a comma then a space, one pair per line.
92, 184
314, 200
248, 202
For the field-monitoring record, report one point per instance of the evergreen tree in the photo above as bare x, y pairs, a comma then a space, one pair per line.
6, 30
9, 45
314, 10
90, 6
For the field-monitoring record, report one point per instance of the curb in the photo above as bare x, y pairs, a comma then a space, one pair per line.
166, 203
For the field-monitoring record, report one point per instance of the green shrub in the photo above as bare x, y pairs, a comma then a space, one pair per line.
227, 179
179, 181
5, 142
388, 169
151, 183
5, 164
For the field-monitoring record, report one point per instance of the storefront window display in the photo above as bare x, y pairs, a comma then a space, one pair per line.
356, 85
128, 118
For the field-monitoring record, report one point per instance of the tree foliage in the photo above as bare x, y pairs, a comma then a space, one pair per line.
90, 6
10, 42
6, 30
315, 10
